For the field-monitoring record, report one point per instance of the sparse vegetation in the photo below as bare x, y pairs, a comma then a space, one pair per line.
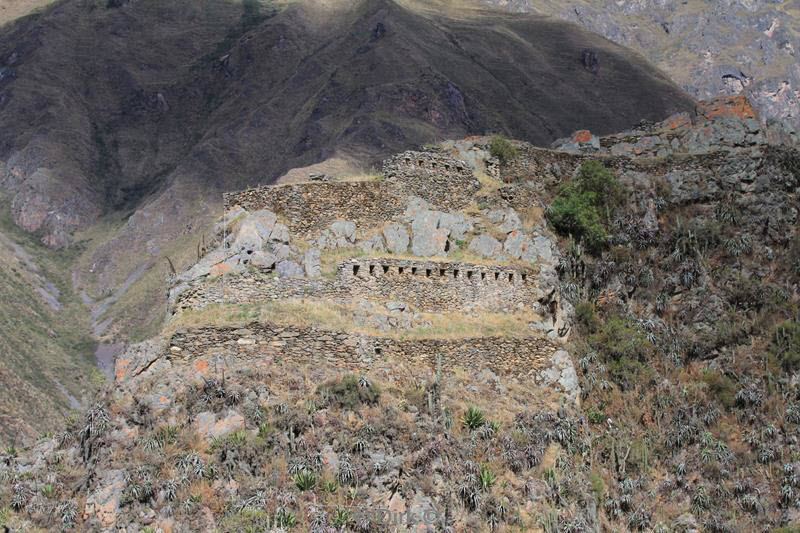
348, 392
501, 148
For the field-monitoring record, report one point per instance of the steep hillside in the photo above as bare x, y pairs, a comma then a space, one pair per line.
46, 353
708, 47
489, 336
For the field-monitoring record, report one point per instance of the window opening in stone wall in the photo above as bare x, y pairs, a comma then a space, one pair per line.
510, 277
385, 268
524, 277
413, 271
496, 276
455, 273
469, 274
483, 275
355, 269
400, 270
372, 269
427, 272
441, 272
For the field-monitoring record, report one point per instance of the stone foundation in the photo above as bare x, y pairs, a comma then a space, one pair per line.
518, 356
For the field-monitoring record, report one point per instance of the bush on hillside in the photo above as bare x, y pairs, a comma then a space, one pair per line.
502, 149
350, 392
583, 207
624, 349
785, 345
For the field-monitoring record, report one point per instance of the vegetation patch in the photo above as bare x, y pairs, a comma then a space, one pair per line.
584, 206
349, 392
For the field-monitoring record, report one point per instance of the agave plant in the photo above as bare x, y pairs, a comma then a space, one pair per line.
305, 480
473, 419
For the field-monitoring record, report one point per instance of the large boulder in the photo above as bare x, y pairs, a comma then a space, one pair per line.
430, 242
344, 230
373, 244
396, 238
486, 246
289, 269
311, 263
255, 230
507, 219
428, 238
458, 224
280, 234
263, 260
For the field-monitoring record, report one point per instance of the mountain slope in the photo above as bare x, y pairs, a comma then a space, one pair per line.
708, 47
150, 91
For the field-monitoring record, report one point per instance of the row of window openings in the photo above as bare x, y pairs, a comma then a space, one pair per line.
442, 272
433, 164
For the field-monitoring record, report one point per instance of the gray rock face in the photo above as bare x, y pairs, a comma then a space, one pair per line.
745, 44
415, 206
457, 223
289, 269
344, 230
507, 219
428, 238
486, 246
562, 372
311, 263
396, 238
373, 244
261, 259
430, 242
520, 246
280, 234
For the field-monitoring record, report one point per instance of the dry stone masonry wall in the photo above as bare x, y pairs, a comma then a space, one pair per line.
426, 286
518, 356
308, 207
446, 183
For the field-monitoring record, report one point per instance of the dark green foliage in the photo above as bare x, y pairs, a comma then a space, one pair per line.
624, 349
586, 317
502, 149
350, 392
721, 387
473, 419
305, 480
785, 345
583, 207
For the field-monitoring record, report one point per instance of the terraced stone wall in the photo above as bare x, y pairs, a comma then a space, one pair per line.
425, 286
519, 356
311, 207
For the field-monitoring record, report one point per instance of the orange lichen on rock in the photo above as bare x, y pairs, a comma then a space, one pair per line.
726, 107
582, 136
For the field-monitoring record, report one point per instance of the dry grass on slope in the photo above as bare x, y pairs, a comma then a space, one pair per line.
339, 317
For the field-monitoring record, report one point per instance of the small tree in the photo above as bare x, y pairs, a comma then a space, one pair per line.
583, 207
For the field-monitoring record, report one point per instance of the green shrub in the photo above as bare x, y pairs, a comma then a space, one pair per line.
473, 419
583, 206
586, 317
598, 486
487, 477
624, 349
785, 345
502, 149
721, 387
341, 517
349, 392
305, 480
